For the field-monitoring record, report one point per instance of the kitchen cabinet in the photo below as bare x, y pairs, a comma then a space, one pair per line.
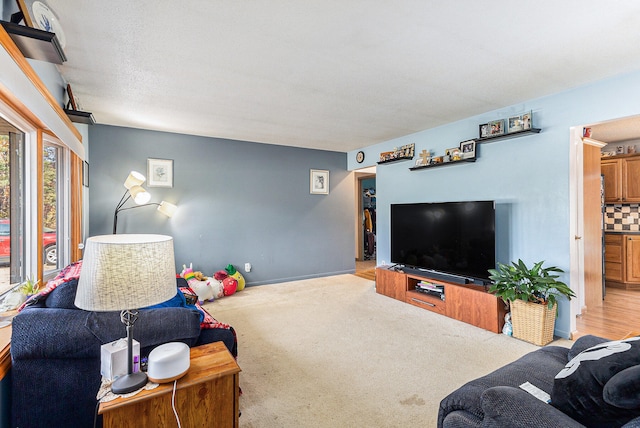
622, 260
632, 269
621, 178
613, 255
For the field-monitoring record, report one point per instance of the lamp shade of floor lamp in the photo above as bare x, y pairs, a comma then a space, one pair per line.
124, 273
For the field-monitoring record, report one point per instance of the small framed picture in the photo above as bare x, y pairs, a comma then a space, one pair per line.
527, 120
484, 130
26, 14
85, 174
319, 182
419, 162
468, 149
515, 124
160, 172
496, 127
453, 153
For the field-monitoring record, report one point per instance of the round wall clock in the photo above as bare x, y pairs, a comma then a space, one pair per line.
360, 157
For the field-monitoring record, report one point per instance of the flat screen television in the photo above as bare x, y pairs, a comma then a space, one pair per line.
453, 238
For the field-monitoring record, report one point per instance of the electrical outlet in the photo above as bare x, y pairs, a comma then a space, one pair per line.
247, 267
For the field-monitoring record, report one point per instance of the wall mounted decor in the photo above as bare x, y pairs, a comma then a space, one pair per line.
160, 172
496, 127
468, 149
319, 182
405, 152
85, 174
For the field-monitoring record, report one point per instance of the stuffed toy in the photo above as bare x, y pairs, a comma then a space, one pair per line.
201, 287
233, 273
217, 286
229, 284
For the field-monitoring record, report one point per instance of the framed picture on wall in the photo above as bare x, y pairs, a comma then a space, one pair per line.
319, 182
160, 172
85, 174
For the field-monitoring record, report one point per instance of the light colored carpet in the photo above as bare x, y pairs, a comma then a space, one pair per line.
331, 352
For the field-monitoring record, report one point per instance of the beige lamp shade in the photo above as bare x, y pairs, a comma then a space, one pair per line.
134, 179
140, 195
167, 208
128, 271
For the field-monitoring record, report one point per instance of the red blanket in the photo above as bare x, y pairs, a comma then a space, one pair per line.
72, 272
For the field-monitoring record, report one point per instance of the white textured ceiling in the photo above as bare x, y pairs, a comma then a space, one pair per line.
334, 75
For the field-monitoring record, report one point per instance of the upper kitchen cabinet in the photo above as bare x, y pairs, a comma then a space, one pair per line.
621, 178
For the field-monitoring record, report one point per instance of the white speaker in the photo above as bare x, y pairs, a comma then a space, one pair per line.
168, 362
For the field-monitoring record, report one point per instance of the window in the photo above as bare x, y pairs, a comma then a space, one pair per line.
55, 206
12, 214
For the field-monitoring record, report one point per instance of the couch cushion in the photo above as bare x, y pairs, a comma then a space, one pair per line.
538, 367
63, 296
623, 389
578, 388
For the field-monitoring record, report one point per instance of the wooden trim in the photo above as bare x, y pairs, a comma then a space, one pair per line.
5, 348
16, 55
40, 202
76, 206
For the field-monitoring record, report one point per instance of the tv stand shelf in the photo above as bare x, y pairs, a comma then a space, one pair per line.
465, 302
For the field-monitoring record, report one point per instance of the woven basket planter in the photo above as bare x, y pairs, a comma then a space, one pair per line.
533, 322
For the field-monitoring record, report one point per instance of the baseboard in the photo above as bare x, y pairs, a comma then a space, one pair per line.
300, 278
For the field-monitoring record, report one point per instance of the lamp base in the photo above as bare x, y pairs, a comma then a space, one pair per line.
129, 383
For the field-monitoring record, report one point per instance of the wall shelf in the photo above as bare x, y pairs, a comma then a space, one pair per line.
395, 160
492, 138
80, 116
433, 165
35, 43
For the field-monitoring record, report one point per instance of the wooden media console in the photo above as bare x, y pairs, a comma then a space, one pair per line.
464, 302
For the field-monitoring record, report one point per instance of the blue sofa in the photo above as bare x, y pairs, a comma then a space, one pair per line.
600, 387
55, 354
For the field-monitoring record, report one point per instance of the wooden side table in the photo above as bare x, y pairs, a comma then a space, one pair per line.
207, 396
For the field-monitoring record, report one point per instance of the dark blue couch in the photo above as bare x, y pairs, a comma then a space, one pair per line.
55, 354
495, 400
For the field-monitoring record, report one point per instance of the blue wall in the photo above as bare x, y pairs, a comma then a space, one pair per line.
528, 177
237, 202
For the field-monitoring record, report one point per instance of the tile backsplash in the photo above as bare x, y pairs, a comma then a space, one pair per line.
622, 217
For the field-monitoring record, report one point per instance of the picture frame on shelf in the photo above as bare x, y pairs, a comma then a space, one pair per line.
496, 127
419, 162
318, 182
26, 15
483, 131
468, 149
527, 120
160, 172
515, 124
453, 153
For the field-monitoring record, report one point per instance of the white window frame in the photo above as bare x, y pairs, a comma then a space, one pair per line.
63, 243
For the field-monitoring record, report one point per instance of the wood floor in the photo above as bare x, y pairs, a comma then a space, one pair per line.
618, 317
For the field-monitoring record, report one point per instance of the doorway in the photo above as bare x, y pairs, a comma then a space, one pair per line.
365, 219
613, 316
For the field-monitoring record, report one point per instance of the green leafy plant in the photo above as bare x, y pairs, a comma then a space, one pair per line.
537, 284
30, 287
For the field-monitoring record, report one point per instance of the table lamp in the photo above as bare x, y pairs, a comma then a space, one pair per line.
124, 273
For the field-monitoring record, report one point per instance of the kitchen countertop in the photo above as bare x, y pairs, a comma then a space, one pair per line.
622, 232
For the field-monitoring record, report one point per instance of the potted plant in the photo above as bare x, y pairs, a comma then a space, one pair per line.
532, 295
29, 288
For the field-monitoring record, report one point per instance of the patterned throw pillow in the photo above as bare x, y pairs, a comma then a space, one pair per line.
578, 388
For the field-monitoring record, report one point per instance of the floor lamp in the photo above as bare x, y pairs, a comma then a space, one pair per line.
140, 196
124, 273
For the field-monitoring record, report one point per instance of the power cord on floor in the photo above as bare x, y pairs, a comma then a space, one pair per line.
173, 402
